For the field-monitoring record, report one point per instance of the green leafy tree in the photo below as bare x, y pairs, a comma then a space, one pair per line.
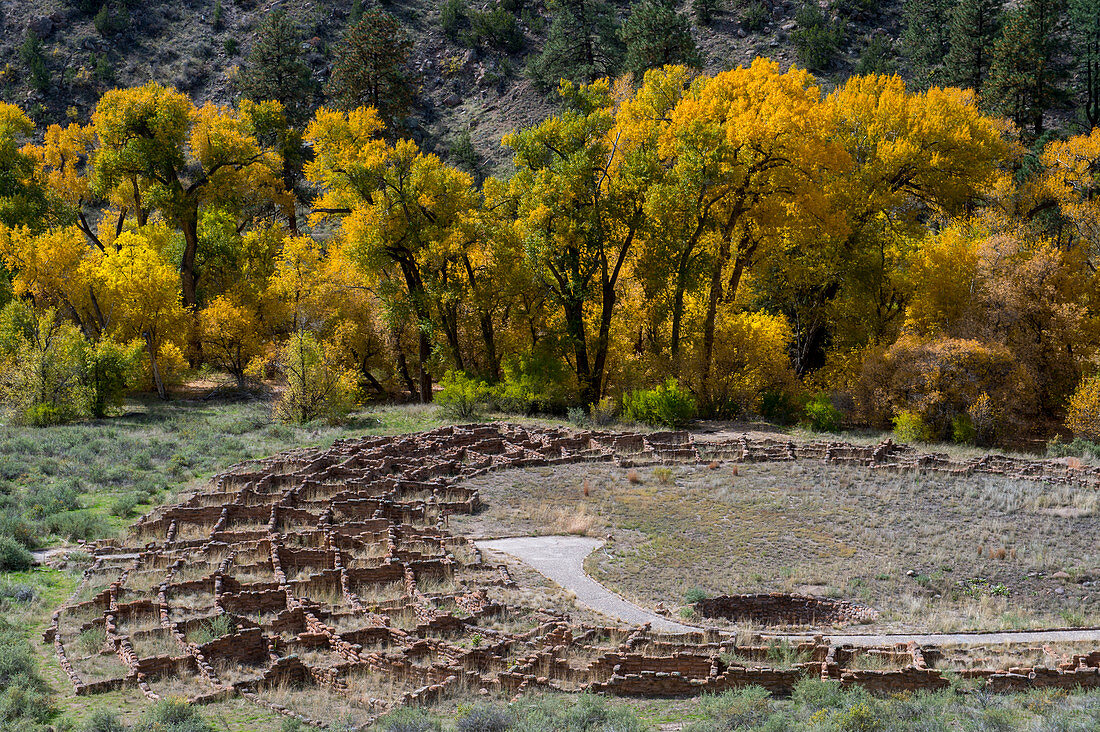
372, 67
1028, 71
1085, 26
657, 35
34, 59
583, 43
975, 25
110, 369
275, 70
925, 39
42, 359
817, 36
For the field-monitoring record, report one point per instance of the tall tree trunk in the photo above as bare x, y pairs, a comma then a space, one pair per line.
403, 369
425, 375
716, 295
189, 223
488, 336
448, 315
603, 339
574, 327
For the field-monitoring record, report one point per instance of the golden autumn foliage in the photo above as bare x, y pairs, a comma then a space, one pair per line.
747, 234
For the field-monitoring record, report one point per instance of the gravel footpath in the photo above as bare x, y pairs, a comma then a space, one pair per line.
561, 559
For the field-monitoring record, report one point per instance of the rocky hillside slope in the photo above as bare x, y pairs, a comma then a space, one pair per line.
198, 45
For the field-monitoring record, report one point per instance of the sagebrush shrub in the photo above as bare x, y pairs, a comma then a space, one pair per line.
485, 718
14, 557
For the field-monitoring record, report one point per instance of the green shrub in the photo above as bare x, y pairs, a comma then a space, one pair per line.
667, 405
495, 28
34, 59
962, 430
485, 718
821, 416
104, 70
453, 18
817, 37
124, 506
577, 416
75, 525
172, 716
110, 370
110, 20
408, 719
755, 15
911, 427
43, 360
781, 405
463, 152
532, 383
231, 47
603, 412
216, 627
24, 696
462, 397
1077, 447
877, 57
317, 385
695, 595
102, 721
704, 10
14, 557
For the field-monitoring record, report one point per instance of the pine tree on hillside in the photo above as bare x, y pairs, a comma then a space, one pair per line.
371, 67
657, 35
924, 39
975, 25
274, 68
1085, 26
582, 45
1027, 74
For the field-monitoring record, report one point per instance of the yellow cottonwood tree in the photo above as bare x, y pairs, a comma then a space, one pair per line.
581, 187
399, 211
152, 150
743, 148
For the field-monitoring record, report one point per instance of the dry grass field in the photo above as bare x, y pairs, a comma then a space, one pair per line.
931, 552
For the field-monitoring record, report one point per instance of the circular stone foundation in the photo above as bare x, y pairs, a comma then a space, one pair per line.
784, 609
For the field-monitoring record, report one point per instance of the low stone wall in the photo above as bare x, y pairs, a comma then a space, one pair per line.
784, 609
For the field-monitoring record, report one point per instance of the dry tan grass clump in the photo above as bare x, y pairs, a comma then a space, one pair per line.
633, 477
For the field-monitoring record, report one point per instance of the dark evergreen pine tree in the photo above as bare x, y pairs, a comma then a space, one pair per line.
975, 25
1085, 27
924, 39
1027, 74
371, 67
274, 68
656, 35
582, 45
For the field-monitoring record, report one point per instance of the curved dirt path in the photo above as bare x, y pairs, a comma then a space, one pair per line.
561, 559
